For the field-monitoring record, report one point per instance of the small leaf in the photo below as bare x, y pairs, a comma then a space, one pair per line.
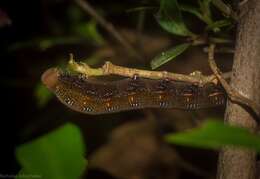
214, 135
57, 155
170, 19
168, 55
218, 24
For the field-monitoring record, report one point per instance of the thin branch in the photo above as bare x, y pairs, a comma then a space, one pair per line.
221, 50
232, 94
109, 27
110, 69
225, 9
140, 27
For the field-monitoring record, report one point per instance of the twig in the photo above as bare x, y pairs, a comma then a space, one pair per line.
110, 69
140, 27
225, 9
232, 94
220, 50
109, 27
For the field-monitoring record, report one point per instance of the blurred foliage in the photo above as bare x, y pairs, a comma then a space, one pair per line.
57, 155
80, 27
42, 95
79, 31
214, 135
89, 31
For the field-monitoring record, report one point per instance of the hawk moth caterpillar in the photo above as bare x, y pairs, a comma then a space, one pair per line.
94, 97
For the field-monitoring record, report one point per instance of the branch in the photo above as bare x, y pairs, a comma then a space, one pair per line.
232, 94
140, 28
220, 50
109, 27
225, 9
110, 69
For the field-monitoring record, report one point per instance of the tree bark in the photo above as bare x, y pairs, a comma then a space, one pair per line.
241, 163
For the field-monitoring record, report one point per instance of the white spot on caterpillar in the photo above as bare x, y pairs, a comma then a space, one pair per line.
69, 101
87, 109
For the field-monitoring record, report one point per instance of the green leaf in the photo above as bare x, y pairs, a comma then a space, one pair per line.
218, 24
168, 55
214, 135
170, 19
57, 155
42, 95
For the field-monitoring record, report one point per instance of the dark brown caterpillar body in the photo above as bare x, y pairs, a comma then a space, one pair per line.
92, 97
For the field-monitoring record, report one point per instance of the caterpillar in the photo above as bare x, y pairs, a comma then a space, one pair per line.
95, 97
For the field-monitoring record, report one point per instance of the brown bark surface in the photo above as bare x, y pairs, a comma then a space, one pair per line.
239, 163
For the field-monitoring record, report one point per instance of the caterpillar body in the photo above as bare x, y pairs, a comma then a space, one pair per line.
94, 97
